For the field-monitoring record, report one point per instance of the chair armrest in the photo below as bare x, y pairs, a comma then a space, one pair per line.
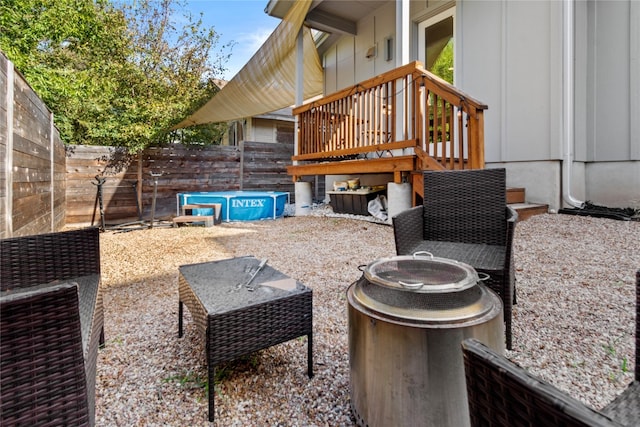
19, 294
512, 215
512, 219
408, 230
508, 395
637, 370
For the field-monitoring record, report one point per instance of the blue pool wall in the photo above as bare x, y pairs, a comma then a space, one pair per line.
238, 205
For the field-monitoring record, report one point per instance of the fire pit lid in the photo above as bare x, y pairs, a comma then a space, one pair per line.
421, 272
423, 290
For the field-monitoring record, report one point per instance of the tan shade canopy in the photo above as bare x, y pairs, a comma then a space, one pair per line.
268, 81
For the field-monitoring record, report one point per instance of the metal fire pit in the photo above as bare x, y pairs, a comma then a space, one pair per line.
407, 318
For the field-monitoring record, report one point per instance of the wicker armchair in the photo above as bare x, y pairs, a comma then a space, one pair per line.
42, 377
626, 407
71, 256
501, 393
465, 217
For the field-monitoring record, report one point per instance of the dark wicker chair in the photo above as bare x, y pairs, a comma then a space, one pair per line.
32, 261
465, 217
42, 376
501, 393
626, 407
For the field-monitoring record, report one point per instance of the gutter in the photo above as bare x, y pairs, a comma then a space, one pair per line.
568, 36
277, 8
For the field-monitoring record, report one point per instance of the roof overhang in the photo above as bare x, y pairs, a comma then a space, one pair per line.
330, 16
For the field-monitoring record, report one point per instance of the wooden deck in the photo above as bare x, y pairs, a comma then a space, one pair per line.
401, 122
395, 165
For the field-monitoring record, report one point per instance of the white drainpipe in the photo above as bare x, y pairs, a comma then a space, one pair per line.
568, 113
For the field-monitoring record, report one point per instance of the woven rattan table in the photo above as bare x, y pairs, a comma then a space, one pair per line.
235, 318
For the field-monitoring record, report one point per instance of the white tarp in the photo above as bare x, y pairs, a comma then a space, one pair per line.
268, 81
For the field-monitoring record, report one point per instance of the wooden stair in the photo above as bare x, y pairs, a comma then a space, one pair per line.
189, 217
516, 199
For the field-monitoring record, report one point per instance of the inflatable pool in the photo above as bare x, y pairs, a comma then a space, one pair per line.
238, 205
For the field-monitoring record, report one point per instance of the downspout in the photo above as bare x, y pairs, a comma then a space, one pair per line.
568, 37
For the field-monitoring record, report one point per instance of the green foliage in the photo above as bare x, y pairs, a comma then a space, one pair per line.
443, 65
188, 379
119, 76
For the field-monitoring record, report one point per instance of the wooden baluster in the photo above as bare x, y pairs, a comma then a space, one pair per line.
369, 115
450, 142
460, 138
394, 110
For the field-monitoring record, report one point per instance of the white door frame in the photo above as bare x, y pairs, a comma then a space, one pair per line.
450, 12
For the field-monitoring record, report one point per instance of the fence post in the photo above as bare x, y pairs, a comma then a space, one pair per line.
139, 184
52, 172
241, 177
8, 166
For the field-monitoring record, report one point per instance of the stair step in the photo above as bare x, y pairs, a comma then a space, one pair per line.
206, 219
515, 195
527, 210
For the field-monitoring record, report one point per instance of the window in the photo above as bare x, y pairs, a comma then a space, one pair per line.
436, 44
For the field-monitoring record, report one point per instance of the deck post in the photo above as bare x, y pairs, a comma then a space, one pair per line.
403, 19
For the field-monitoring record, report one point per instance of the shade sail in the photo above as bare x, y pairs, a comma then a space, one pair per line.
268, 81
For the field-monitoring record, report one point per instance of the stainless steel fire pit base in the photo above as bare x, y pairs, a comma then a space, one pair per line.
411, 373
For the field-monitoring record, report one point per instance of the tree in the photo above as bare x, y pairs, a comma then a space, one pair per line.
114, 76
61, 47
443, 65
174, 70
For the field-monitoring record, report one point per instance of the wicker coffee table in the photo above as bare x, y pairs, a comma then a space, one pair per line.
236, 318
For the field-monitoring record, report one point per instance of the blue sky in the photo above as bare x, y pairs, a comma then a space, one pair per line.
241, 21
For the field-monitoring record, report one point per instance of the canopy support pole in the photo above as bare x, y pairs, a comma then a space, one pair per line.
299, 84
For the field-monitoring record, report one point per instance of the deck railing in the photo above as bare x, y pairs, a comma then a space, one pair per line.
407, 108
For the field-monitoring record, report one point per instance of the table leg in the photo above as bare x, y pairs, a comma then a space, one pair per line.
212, 391
310, 355
180, 310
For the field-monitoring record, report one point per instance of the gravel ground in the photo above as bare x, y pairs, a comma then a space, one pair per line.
573, 323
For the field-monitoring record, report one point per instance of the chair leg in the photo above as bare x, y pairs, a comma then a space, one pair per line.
507, 330
500, 285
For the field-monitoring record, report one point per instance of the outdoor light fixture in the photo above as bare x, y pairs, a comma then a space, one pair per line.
371, 52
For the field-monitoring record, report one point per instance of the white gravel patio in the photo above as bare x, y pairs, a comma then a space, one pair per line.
573, 323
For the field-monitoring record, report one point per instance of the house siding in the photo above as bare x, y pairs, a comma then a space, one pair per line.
524, 127
345, 63
263, 130
510, 56
607, 64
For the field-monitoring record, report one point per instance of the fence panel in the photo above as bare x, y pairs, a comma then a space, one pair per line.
32, 181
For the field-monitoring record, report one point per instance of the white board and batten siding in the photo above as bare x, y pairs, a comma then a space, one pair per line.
509, 55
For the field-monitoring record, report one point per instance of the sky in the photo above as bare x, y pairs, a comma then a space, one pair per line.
241, 21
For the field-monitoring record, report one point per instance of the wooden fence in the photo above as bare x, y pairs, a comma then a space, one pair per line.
129, 181
32, 170
45, 185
